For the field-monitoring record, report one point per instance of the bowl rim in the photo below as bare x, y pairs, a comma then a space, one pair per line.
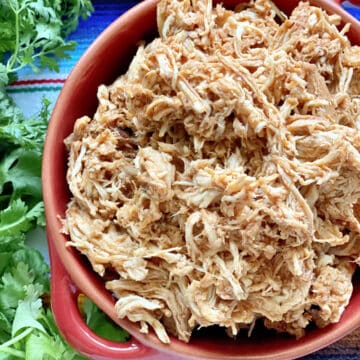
70, 258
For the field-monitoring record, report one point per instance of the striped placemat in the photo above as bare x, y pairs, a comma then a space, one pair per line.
30, 88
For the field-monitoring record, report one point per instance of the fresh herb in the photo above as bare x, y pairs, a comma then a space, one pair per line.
21, 142
27, 328
101, 324
33, 33
16, 130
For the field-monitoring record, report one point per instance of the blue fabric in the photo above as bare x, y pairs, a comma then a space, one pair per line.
353, 10
105, 13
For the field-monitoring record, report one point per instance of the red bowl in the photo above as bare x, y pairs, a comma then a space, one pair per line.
106, 58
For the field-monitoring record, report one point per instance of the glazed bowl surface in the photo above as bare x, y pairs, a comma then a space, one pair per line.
107, 58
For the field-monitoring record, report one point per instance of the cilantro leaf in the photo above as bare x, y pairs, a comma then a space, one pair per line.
22, 169
72, 10
26, 267
4, 260
42, 346
39, 269
17, 218
101, 324
11, 243
15, 129
5, 326
13, 285
4, 78
28, 310
9, 111
27, 327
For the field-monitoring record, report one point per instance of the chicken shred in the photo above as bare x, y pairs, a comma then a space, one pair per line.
219, 179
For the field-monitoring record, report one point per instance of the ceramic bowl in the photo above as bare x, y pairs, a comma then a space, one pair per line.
105, 59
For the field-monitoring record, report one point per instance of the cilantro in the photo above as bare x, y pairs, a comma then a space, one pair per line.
28, 310
101, 324
10, 113
72, 11
16, 130
33, 33
17, 218
27, 327
41, 346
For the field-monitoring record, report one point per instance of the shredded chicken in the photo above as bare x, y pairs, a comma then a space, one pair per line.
219, 179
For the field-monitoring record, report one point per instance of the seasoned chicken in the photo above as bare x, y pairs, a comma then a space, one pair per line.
219, 179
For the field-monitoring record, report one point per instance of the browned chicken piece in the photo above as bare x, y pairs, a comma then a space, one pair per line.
219, 179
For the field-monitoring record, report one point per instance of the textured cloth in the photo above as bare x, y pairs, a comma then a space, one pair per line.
30, 88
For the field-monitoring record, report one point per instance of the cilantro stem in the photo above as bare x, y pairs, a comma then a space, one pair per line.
16, 338
34, 57
47, 324
13, 57
5, 347
14, 352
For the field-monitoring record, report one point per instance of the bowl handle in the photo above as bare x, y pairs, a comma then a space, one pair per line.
64, 303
